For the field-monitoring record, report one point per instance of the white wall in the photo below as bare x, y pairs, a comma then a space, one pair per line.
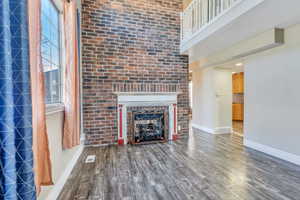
212, 100
204, 105
272, 98
223, 87
60, 159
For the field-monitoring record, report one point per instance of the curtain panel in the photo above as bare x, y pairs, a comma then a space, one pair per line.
16, 156
71, 135
42, 163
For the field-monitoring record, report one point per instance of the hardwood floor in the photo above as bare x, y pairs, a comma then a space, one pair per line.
238, 127
202, 167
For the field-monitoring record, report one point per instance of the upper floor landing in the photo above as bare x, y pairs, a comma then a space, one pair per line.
210, 26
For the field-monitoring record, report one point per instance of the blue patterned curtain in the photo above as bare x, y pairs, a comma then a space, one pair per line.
16, 158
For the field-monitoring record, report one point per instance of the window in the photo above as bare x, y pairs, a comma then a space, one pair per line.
51, 52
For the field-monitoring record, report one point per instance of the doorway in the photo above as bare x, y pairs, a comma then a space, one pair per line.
238, 102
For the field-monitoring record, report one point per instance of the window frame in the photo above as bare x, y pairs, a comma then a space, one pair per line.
58, 107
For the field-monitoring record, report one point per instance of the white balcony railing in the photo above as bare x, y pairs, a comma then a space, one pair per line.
200, 13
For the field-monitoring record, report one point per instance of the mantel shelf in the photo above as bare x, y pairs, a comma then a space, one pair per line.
145, 93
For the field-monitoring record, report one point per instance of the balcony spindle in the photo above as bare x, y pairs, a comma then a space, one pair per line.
202, 12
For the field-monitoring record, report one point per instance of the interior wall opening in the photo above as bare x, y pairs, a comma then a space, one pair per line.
238, 99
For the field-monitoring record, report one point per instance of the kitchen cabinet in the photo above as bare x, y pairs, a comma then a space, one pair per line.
238, 83
238, 112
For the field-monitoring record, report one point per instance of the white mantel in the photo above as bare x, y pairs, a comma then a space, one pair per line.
129, 99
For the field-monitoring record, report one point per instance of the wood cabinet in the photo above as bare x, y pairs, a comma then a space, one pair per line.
238, 83
238, 112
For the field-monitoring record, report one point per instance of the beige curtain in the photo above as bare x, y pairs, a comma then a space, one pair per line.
42, 163
71, 135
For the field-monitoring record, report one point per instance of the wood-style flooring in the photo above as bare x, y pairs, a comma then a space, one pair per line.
238, 127
201, 167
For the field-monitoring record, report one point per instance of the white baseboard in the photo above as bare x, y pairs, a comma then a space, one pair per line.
223, 130
273, 152
202, 128
219, 130
99, 145
57, 188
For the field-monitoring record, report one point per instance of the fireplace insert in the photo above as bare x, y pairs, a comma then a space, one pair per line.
148, 126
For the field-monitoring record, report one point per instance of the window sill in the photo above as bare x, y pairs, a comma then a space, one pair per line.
54, 108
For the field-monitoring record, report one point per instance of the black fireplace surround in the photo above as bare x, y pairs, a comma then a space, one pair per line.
149, 126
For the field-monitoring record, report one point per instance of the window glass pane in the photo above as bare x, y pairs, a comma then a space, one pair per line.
55, 37
46, 64
54, 15
50, 49
55, 55
46, 54
46, 29
46, 4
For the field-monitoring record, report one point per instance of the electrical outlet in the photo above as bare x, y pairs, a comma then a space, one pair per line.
179, 128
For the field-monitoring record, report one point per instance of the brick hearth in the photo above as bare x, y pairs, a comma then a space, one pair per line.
129, 42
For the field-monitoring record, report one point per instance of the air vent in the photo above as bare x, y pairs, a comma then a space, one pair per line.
90, 159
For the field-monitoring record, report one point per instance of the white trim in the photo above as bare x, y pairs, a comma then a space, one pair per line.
124, 124
142, 103
146, 93
128, 99
123, 99
218, 130
174, 121
202, 128
54, 108
171, 121
293, 158
100, 145
62, 54
64, 177
210, 21
241, 7
82, 134
223, 130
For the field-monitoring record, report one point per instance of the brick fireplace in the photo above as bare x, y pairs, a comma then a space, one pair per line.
147, 112
132, 46
147, 124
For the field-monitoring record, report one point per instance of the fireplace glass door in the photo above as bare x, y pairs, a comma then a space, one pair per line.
148, 127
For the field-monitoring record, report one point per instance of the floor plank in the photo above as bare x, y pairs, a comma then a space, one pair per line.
238, 127
203, 166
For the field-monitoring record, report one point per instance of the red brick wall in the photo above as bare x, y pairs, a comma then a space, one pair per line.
128, 41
